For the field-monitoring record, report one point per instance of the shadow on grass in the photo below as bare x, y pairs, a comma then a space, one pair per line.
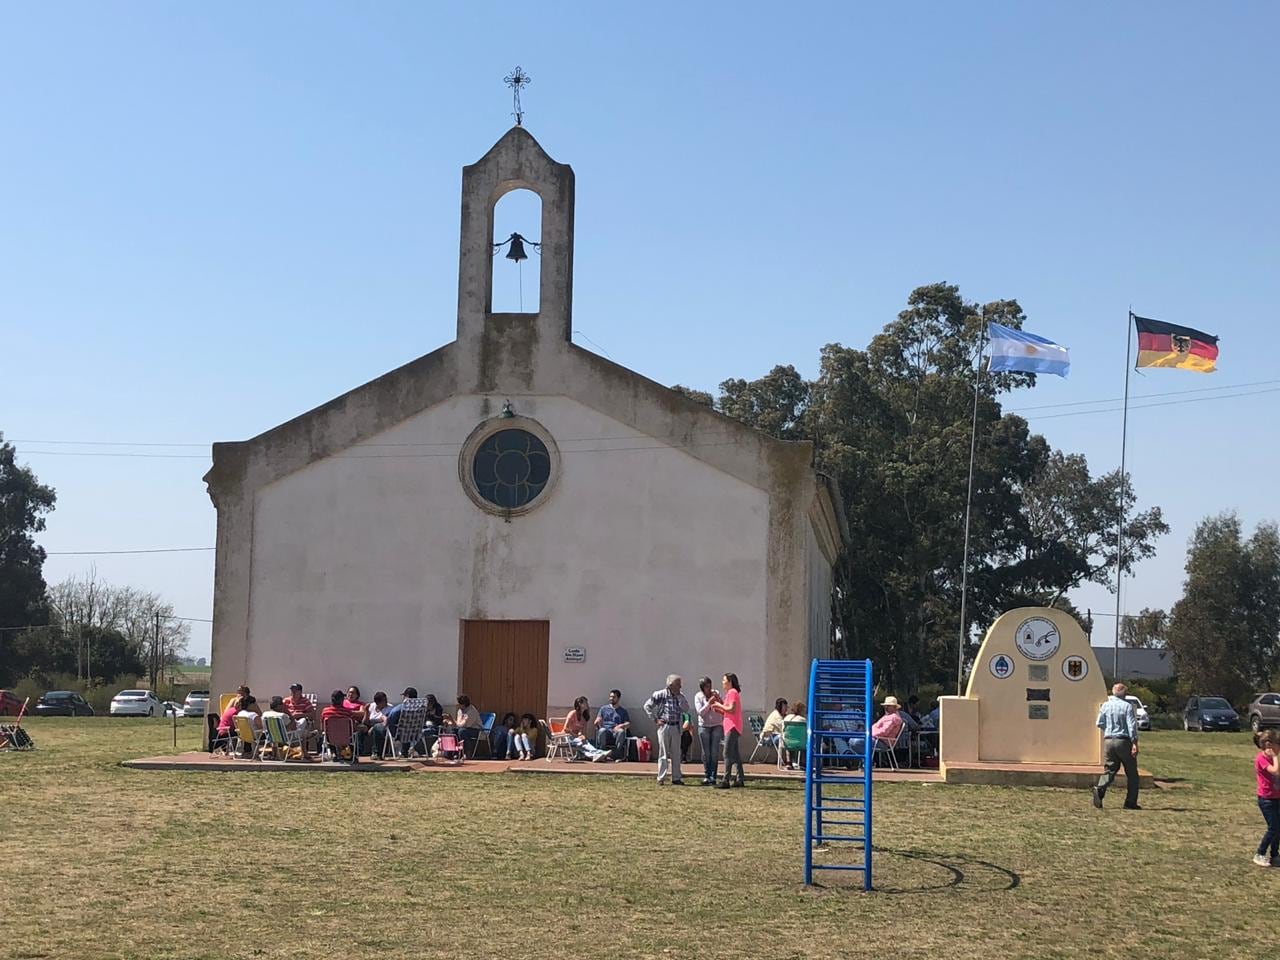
960, 871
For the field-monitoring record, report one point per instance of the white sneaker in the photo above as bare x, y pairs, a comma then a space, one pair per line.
1261, 860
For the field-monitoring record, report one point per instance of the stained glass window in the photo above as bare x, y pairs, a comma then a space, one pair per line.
511, 468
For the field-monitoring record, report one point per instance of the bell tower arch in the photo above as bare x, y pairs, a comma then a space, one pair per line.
515, 162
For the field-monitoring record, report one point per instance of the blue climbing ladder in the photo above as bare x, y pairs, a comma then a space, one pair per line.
837, 800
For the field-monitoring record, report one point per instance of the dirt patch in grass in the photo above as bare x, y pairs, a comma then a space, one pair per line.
122, 863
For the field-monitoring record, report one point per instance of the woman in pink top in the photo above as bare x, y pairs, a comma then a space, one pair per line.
731, 710
1267, 766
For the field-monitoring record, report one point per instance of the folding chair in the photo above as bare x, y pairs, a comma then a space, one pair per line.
280, 738
450, 747
410, 726
246, 736
884, 747
12, 736
756, 723
224, 701
339, 732
559, 743
794, 735
487, 720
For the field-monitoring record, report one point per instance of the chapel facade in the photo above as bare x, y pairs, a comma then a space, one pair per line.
519, 519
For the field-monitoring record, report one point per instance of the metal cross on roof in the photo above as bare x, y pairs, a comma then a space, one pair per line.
516, 79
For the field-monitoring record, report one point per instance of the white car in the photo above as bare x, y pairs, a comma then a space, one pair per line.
136, 703
1144, 718
172, 708
197, 704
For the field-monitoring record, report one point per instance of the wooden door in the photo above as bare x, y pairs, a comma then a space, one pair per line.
504, 665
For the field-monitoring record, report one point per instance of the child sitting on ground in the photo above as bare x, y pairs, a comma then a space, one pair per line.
524, 741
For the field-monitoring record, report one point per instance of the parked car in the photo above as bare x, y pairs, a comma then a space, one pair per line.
172, 708
136, 703
63, 703
1144, 718
1264, 711
10, 704
1209, 713
197, 704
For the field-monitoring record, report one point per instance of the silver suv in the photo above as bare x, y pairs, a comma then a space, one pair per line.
1264, 711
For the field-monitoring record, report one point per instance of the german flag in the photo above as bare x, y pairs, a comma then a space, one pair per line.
1169, 345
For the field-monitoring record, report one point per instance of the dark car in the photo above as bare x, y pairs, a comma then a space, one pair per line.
1264, 711
1209, 713
63, 703
10, 705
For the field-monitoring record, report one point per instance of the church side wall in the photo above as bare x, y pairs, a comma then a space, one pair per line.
363, 564
818, 572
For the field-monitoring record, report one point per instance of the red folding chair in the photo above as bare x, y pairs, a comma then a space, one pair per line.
339, 733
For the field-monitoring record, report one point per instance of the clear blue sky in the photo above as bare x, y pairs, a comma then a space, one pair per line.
215, 217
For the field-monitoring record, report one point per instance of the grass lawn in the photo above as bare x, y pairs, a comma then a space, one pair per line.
107, 862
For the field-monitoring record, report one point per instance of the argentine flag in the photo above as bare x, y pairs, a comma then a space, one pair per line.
1025, 352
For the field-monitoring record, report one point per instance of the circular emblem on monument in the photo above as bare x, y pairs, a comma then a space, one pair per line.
1037, 639
1001, 667
1075, 668
508, 465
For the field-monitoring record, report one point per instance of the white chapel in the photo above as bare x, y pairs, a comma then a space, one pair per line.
518, 519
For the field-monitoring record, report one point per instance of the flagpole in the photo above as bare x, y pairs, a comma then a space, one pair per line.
968, 507
1124, 435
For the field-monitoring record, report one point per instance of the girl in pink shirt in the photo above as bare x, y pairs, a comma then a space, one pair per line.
1267, 766
731, 710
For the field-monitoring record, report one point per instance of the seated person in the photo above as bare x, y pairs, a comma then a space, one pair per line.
250, 710
302, 712
466, 722
577, 725
390, 726
849, 748
792, 758
277, 711
933, 719
524, 741
890, 726
613, 726
354, 705
435, 720
504, 737
337, 708
772, 732
226, 727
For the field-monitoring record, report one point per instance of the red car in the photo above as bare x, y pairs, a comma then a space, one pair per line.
9, 704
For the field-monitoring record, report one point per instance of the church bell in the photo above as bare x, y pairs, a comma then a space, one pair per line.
516, 252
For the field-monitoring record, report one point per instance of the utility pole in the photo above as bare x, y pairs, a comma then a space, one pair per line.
157, 653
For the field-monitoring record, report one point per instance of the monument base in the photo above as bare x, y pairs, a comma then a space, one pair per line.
1006, 774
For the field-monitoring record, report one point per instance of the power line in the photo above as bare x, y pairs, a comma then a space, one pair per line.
163, 616
1149, 406
102, 553
1145, 396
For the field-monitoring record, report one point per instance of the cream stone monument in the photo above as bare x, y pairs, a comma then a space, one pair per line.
1029, 712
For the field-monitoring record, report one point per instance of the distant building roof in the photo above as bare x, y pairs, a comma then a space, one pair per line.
1136, 663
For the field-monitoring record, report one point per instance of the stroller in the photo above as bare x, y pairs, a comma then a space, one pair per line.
12, 736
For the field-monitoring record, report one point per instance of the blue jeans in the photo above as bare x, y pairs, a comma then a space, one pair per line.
709, 738
615, 741
1271, 839
498, 745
